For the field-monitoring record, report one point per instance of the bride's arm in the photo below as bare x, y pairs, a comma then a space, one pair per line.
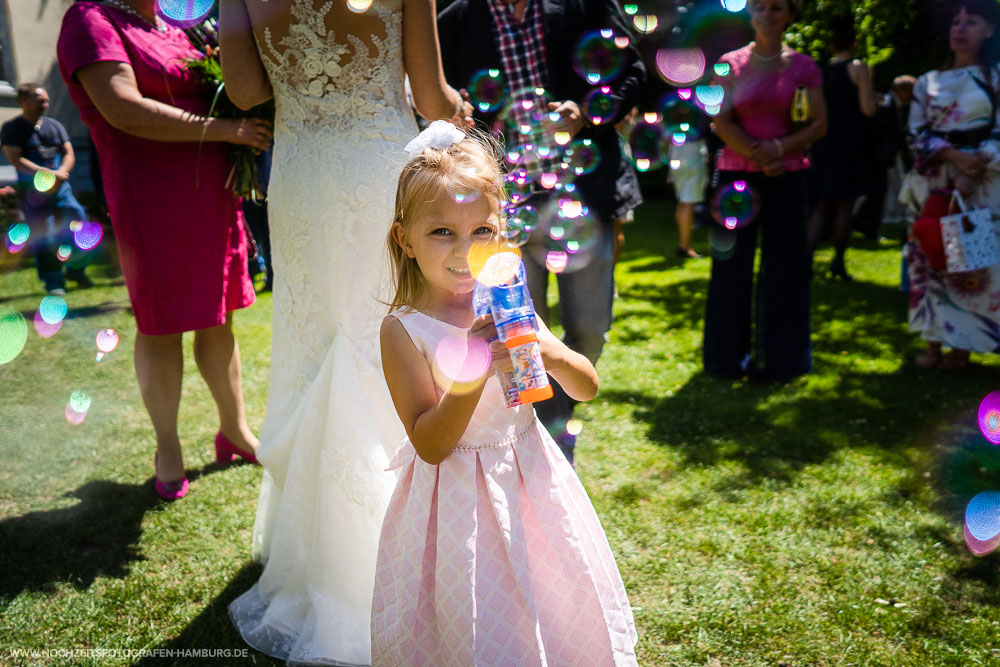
432, 95
246, 79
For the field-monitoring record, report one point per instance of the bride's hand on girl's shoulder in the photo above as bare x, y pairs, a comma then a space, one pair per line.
573, 371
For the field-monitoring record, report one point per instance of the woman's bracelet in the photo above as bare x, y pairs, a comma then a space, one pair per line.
778, 147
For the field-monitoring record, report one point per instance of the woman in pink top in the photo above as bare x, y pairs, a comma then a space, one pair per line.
180, 235
761, 191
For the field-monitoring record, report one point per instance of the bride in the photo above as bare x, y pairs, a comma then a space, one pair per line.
335, 69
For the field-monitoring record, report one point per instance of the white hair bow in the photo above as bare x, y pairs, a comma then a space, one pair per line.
440, 134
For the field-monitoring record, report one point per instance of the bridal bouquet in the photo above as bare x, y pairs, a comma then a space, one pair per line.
244, 177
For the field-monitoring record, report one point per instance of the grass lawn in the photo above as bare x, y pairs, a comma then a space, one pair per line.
817, 522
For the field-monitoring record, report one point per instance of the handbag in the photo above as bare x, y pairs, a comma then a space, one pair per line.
970, 238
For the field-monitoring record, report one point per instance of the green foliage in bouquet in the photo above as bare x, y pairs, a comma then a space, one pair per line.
244, 177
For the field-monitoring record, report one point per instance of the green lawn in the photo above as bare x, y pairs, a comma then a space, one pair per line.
816, 522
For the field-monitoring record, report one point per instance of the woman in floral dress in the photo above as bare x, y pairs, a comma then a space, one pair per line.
957, 145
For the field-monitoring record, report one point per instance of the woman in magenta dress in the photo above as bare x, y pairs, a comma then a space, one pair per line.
180, 235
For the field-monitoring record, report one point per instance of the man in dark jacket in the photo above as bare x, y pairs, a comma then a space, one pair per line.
569, 72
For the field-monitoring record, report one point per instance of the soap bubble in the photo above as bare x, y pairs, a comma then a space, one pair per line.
600, 105
734, 5
107, 341
499, 267
679, 67
645, 23
989, 417
584, 156
46, 329
53, 309
87, 234
709, 96
359, 6
184, 13
63, 252
44, 180
487, 91
735, 204
723, 243
597, 58
79, 401
569, 234
645, 140
721, 69
459, 364
73, 417
574, 426
13, 334
18, 233
982, 515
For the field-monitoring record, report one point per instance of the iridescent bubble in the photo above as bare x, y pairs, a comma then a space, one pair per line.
487, 91
518, 186
734, 207
600, 105
499, 268
18, 233
569, 237
631, 9
584, 156
982, 515
685, 93
645, 139
52, 309
597, 58
651, 117
79, 401
44, 180
13, 334
13, 247
574, 426
721, 69
73, 417
462, 194
184, 13
713, 109
87, 234
459, 364
679, 67
675, 164
723, 243
562, 138
548, 180
359, 6
107, 341
556, 261
734, 5
63, 252
678, 138
645, 23
45, 329
680, 115
989, 417
709, 96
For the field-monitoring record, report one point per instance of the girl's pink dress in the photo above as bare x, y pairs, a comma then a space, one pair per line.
495, 556
179, 230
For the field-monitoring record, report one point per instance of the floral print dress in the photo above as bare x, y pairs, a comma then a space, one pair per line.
959, 310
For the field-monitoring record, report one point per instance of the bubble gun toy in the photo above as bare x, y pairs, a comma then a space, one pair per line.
517, 328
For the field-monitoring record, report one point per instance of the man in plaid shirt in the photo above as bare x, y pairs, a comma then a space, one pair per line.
533, 45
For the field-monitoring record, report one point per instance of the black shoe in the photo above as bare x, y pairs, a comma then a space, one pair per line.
838, 272
82, 280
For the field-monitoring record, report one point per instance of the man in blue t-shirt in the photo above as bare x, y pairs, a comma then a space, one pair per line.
40, 150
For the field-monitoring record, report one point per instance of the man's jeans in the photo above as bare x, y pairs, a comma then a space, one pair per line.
585, 299
48, 216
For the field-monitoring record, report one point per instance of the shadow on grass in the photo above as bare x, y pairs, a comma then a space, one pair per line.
212, 629
97, 536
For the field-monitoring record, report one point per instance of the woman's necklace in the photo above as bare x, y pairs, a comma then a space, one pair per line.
159, 25
766, 59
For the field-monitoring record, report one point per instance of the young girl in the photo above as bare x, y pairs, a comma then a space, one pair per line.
491, 552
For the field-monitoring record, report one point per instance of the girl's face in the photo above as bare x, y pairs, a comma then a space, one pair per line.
968, 32
441, 237
770, 17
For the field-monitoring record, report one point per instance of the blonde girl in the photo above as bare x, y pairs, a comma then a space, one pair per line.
490, 550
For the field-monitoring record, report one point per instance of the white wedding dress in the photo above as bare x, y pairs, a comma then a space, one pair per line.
342, 121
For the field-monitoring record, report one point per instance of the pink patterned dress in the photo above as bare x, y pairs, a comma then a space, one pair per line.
495, 556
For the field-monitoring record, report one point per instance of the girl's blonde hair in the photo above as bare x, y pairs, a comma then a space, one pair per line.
469, 167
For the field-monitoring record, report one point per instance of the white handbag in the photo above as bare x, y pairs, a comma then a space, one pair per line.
971, 239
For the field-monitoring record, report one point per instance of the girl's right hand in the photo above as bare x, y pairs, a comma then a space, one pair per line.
255, 132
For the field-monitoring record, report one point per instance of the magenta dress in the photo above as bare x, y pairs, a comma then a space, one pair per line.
181, 240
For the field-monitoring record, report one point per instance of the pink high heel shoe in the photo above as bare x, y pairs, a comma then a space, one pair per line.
226, 452
169, 490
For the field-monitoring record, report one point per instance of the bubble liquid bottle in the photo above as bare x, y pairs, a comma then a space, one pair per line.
514, 315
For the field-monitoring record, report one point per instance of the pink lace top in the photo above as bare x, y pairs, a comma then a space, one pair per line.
760, 102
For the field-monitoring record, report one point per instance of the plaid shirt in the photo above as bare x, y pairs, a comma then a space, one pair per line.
522, 59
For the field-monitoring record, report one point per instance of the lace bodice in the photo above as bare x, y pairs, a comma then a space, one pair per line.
492, 423
335, 77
